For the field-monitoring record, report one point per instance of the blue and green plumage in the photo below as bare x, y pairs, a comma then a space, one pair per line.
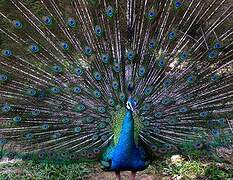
125, 154
68, 68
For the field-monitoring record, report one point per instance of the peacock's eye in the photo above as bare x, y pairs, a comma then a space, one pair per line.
134, 102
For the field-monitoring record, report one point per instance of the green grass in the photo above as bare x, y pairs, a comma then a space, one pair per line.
185, 169
191, 169
30, 170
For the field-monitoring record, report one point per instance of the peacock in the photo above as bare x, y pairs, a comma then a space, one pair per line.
120, 82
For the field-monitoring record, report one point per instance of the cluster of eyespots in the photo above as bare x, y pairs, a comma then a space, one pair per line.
45, 126
79, 71
77, 90
213, 54
47, 20
71, 22
3, 78
29, 136
167, 83
7, 53
183, 56
57, 69
183, 109
17, 119
190, 79
115, 85
56, 135
88, 51
3, 141
148, 91
152, 44
80, 108
35, 112
141, 71
158, 115
111, 102
217, 45
98, 31
97, 76
122, 97
166, 101
34, 48
64, 46
203, 114
109, 12
215, 77
151, 15
105, 58
17, 24
77, 129
97, 93
130, 55
6, 108
171, 35
55, 90
178, 4
161, 63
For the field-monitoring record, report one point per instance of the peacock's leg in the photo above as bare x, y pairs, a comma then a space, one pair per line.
133, 175
118, 175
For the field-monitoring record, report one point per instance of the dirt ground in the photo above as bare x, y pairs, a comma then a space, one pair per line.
124, 176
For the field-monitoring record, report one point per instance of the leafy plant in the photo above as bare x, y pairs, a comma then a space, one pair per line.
214, 173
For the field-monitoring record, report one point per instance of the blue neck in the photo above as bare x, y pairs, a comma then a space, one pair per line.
126, 155
127, 131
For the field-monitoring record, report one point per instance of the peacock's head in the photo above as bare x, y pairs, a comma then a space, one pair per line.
131, 104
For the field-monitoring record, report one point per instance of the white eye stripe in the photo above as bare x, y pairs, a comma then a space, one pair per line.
128, 105
131, 106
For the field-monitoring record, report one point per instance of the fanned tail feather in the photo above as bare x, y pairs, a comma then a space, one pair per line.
68, 67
